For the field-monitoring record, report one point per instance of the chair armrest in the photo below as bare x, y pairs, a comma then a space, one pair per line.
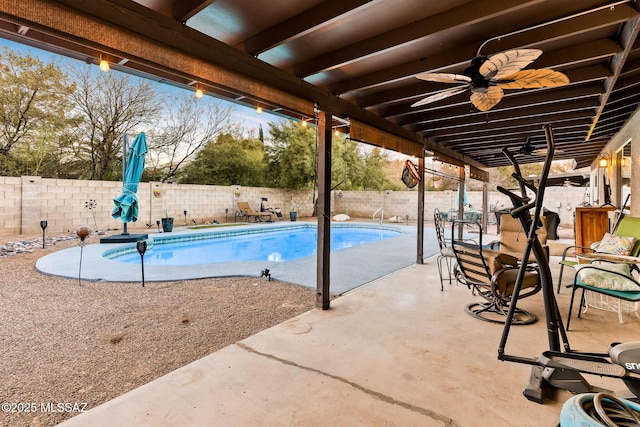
564, 252
498, 261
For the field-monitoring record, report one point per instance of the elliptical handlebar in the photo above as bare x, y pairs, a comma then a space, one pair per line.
522, 205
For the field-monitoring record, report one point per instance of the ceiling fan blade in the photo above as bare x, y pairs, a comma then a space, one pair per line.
440, 95
534, 79
444, 77
485, 101
504, 64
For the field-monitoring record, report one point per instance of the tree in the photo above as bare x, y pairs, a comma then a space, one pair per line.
347, 166
35, 113
291, 155
188, 125
374, 177
110, 104
227, 161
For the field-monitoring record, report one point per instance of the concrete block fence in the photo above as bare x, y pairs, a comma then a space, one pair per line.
25, 201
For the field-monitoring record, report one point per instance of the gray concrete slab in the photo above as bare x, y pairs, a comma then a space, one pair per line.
395, 352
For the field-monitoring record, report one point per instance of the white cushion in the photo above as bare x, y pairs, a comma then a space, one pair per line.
605, 277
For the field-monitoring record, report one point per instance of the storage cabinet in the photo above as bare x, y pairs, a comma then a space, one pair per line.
591, 224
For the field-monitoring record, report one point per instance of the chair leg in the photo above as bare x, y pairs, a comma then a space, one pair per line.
449, 269
560, 278
439, 262
583, 303
620, 312
573, 294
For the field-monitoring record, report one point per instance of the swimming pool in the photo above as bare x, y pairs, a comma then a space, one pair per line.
350, 267
259, 244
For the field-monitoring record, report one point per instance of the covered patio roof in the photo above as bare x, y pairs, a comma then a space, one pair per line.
357, 59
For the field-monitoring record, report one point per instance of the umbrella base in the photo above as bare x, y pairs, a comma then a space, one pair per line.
124, 238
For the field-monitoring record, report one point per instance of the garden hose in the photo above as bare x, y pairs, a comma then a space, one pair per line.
599, 409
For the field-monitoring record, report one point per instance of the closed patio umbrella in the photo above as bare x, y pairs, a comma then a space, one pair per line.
126, 204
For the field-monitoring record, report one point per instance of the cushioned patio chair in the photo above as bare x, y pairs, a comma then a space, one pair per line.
612, 282
513, 239
492, 275
627, 227
249, 213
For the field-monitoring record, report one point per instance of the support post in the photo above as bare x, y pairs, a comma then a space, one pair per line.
324, 210
461, 188
485, 205
420, 248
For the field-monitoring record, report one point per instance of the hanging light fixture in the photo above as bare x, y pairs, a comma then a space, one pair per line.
104, 64
304, 123
259, 110
199, 93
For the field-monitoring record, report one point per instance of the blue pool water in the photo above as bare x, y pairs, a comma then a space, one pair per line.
275, 246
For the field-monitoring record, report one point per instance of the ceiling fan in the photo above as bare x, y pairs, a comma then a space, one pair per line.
529, 148
488, 76
568, 183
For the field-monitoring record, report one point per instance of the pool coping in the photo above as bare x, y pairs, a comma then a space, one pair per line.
350, 267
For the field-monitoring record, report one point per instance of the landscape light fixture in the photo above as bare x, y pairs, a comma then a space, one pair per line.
141, 247
82, 233
104, 64
43, 225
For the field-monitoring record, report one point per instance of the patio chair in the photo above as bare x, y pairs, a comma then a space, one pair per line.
492, 275
609, 284
627, 227
513, 239
249, 213
276, 211
446, 259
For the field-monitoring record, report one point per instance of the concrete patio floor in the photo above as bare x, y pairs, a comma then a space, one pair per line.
395, 352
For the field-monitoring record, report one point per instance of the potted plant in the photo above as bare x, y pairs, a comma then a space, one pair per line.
293, 213
167, 222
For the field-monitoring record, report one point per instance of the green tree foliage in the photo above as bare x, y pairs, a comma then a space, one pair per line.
374, 177
35, 114
291, 155
227, 161
347, 166
291, 161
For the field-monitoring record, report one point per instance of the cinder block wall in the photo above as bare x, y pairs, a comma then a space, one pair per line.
25, 201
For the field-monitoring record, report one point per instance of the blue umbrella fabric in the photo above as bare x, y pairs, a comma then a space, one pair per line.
127, 203
465, 199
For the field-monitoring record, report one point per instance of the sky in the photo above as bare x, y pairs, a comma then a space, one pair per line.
249, 117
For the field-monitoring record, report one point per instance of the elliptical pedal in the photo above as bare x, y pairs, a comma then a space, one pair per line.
585, 364
588, 366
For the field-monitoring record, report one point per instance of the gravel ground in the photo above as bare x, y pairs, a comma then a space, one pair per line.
68, 343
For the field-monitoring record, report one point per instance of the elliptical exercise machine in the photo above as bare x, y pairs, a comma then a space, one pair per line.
559, 367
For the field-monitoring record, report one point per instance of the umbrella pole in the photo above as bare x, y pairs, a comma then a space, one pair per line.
125, 143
